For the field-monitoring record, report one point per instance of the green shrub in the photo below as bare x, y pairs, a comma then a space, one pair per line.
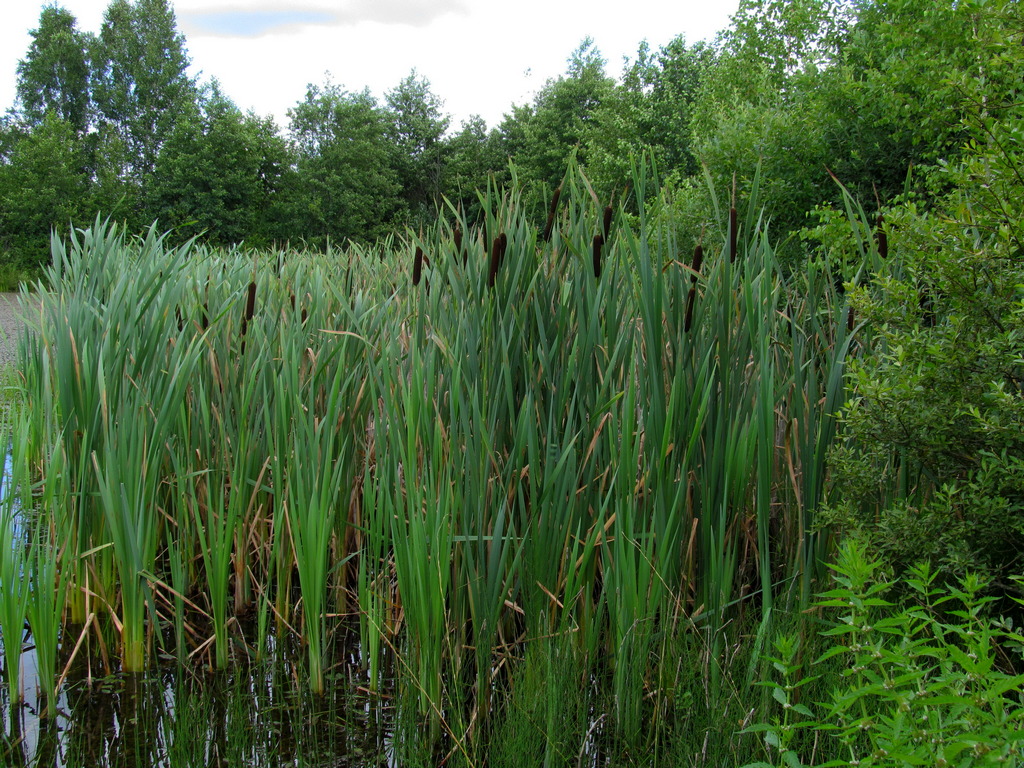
925, 682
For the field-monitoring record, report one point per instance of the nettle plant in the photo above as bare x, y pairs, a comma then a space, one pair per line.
925, 682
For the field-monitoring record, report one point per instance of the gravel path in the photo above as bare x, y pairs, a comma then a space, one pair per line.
10, 325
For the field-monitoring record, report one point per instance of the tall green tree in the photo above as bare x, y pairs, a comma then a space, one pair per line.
418, 130
141, 85
649, 111
217, 175
346, 185
561, 113
43, 188
54, 75
473, 155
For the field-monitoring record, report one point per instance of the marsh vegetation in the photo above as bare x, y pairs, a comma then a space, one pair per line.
601, 456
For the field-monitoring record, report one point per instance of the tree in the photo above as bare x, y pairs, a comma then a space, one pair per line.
43, 187
418, 130
561, 113
473, 155
937, 419
12, 130
54, 75
140, 83
346, 186
217, 175
648, 112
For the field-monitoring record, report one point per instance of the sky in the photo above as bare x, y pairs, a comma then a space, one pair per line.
480, 56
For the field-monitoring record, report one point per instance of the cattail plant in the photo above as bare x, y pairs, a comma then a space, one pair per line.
417, 266
496, 257
552, 212
250, 308
698, 261
590, 462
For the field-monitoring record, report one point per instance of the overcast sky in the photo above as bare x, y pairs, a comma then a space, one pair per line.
480, 56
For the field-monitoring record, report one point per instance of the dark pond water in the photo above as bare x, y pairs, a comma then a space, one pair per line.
256, 714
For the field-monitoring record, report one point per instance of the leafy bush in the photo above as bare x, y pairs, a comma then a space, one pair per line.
925, 681
934, 467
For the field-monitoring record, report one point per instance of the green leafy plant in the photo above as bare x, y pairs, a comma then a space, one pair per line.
925, 683
780, 735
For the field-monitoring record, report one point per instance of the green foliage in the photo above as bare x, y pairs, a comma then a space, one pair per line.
43, 188
780, 736
938, 416
218, 174
474, 154
562, 110
926, 679
648, 112
139, 80
346, 186
863, 91
417, 132
54, 75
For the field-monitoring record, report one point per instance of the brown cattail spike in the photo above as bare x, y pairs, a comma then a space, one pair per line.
698, 261
883, 238
606, 224
495, 262
503, 240
732, 235
850, 319
546, 235
417, 266
598, 243
250, 308
457, 237
689, 309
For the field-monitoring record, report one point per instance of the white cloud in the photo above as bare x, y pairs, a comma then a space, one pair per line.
235, 18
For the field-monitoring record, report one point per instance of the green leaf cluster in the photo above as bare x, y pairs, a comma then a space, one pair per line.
933, 467
925, 682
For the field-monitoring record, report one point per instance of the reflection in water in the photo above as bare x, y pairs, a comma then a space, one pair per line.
252, 715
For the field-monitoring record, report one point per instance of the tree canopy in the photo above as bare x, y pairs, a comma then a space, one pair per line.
798, 93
